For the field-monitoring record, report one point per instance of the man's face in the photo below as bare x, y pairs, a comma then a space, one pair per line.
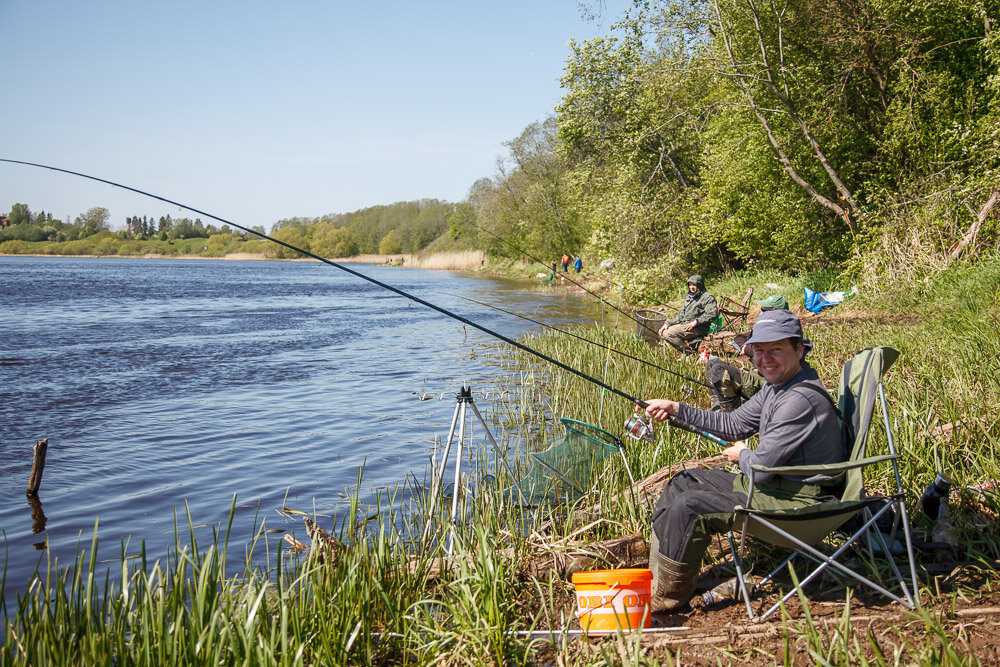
777, 362
692, 288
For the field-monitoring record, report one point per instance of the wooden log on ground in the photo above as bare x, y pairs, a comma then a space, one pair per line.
648, 488
561, 559
37, 466
627, 551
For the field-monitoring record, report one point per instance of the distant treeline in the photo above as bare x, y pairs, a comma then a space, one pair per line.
403, 227
23, 231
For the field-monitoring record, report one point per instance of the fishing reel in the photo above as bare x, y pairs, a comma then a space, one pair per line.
639, 427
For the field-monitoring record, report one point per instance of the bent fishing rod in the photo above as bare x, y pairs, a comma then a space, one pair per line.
588, 340
513, 246
395, 290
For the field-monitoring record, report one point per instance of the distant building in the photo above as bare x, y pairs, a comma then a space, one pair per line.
4, 221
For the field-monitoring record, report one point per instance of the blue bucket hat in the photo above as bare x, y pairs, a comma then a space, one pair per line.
775, 325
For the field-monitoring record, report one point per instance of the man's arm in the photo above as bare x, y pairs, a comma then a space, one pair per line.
709, 310
791, 426
739, 424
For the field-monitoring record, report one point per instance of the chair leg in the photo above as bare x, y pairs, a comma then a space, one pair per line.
868, 537
738, 562
778, 569
892, 563
905, 520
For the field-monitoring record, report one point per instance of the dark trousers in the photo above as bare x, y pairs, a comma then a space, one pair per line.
694, 505
730, 385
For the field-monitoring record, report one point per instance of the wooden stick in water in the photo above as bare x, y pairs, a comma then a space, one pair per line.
37, 466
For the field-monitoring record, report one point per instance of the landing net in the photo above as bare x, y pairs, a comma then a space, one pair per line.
565, 471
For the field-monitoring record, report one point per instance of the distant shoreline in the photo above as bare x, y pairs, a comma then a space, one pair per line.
467, 260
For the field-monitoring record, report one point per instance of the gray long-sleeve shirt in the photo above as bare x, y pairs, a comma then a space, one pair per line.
796, 422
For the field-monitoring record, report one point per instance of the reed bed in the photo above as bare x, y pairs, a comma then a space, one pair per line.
458, 260
388, 595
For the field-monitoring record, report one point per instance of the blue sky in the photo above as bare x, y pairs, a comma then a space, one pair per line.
261, 110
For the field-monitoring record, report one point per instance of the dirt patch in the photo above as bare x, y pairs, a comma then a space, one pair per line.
970, 623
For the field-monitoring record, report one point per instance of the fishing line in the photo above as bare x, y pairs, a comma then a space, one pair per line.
395, 290
588, 340
565, 276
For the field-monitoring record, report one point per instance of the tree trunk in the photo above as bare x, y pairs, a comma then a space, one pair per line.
844, 213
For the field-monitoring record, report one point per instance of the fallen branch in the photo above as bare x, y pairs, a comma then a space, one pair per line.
561, 559
651, 485
970, 236
645, 489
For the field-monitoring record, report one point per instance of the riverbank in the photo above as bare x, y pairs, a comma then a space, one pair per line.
379, 592
470, 260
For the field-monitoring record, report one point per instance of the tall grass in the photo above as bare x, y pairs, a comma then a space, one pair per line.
390, 597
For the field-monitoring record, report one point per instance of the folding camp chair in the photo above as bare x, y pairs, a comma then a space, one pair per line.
734, 313
801, 530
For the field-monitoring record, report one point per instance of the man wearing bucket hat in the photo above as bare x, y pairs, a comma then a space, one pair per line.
730, 385
798, 425
694, 318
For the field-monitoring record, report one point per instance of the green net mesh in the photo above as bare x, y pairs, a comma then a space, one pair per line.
565, 471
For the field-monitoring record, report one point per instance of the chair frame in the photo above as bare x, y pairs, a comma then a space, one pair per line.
908, 599
735, 313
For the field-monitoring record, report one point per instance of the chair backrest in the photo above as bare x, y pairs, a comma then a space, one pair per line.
859, 382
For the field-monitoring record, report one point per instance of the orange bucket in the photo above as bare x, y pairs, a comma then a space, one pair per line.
611, 600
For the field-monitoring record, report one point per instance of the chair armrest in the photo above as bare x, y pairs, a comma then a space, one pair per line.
826, 468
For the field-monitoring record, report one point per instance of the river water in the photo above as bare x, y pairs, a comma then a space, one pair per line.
165, 382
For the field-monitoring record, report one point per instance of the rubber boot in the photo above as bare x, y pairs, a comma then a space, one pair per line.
673, 582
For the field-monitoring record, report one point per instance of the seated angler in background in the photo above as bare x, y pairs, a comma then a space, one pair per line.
798, 425
731, 385
692, 321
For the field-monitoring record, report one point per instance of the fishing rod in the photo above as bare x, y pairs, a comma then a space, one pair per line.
444, 311
565, 276
588, 340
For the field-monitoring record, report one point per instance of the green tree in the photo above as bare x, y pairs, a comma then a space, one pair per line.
330, 241
94, 221
293, 235
391, 244
20, 214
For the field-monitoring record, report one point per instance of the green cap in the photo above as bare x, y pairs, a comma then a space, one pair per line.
774, 302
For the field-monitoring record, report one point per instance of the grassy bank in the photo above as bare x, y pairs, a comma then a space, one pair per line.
384, 596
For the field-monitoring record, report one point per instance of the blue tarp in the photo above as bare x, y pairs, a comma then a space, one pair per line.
816, 302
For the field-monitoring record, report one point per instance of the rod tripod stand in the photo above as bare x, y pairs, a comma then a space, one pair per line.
463, 401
